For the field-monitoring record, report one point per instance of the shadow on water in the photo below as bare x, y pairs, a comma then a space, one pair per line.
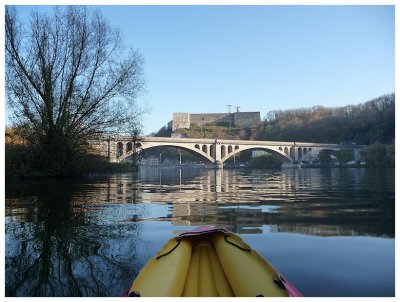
57, 245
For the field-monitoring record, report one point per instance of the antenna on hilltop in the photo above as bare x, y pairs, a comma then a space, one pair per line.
229, 108
237, 108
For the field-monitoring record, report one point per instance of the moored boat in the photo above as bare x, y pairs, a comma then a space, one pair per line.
209, 262
291, 165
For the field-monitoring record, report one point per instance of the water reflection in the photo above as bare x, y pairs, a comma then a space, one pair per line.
326, 202
57, 245
85, 237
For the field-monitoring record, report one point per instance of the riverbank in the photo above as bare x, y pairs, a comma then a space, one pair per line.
21, 163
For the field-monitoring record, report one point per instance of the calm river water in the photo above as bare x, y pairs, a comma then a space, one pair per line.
329, 231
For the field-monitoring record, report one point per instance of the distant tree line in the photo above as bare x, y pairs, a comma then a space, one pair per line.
379, 155
365, 124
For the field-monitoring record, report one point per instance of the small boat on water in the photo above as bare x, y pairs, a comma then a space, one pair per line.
209, 262
291, 165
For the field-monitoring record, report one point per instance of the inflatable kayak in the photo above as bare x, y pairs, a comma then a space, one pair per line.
209, 262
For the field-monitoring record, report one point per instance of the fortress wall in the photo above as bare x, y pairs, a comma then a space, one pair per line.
246, 119
180, 120
209, 118
236, 119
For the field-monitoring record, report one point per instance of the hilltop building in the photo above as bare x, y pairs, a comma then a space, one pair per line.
181, 120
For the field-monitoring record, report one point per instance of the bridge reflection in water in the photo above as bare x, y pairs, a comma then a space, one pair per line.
309, 201
90, 237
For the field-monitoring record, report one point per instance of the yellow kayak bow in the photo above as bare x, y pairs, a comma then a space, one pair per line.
209, 262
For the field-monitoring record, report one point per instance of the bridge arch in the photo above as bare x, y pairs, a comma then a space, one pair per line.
299, 152
223, 151
212, 151
286, 151
129, 147
120, 149
143, 146
274, 151
292, 152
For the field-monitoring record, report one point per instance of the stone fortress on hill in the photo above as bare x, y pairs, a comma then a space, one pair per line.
237, 119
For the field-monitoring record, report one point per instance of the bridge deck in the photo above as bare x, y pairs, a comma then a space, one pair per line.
235, 142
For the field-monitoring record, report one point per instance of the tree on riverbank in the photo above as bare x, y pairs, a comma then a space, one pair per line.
68, 78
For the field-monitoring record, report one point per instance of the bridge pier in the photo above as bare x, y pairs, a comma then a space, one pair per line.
218, 164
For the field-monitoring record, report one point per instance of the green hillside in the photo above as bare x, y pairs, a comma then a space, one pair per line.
367, 123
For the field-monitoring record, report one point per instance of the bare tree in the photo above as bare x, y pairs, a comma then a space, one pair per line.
69, 77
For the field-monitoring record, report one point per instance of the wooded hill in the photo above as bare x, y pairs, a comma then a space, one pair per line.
365, 124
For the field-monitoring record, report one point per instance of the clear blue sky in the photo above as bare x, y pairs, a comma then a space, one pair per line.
261, 58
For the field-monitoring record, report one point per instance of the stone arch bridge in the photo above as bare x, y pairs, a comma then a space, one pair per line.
217, 151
